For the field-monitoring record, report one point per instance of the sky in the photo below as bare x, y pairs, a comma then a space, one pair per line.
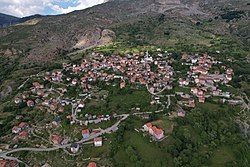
22, 8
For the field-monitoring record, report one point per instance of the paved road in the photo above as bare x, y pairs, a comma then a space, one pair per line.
156, 93
92, 136
169, 100
74, 111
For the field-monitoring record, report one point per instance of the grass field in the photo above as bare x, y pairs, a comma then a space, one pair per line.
123, 103
222, 156
150, 153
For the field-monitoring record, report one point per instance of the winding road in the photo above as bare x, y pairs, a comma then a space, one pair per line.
4, 154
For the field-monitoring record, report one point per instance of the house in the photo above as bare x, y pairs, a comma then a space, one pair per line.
3, 163
229, 77
194, 60
202, 99
96, 121
234, 102
61, 109
54, 105
181, 114
38, 101
194, 90
158, 133
74, 148
229, 71
37, 85
74, 81
56, 139
23, 135
152, 89
23, 125
197, 80
30, 103
185, 96
18, 100
81, 105
8, 163
145, 116
150, 130
92, 164
24, 96
183, 82
200, 93
191, 103
16, 129
46, 103
216, 79
56, 122
226, 94
40, 93
216, 92
122, 84
85, 133
98, 141
184, 56
147, 126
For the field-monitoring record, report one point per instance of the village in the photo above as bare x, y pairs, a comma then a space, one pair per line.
65, 93
204, 82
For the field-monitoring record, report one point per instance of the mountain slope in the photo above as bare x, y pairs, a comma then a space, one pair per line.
148, 21
6, 20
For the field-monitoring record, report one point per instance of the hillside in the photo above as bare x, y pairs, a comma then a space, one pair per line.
6, 20
182, 19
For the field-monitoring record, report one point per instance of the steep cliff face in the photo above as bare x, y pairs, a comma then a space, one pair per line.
95, 38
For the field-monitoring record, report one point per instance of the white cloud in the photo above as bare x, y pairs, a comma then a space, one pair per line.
80, 4
23, 8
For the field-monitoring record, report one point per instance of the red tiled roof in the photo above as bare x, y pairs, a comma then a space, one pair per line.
149, 125
23, 124
85, 131
157, 131
3, 163
92, 164
8, 163
23, 134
